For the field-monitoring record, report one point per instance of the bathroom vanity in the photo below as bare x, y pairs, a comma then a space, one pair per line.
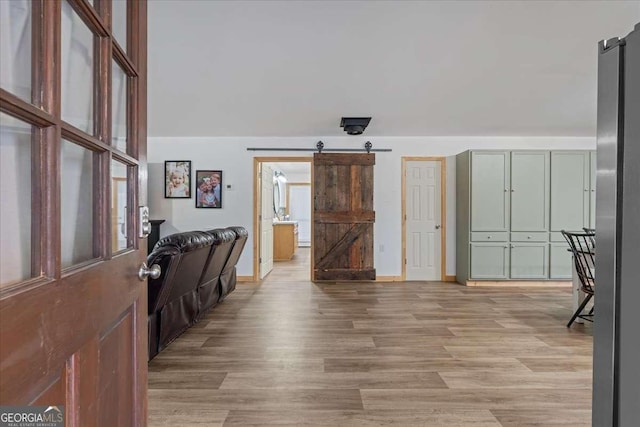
285, 240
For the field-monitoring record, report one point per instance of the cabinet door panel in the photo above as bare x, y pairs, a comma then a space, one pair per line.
569, 190
529, 261
489, 261
489, 191
530, 191
560, 261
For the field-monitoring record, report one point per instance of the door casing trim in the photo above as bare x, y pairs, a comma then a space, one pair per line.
257, 161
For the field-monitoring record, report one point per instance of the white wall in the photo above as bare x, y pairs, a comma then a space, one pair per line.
231, 155
298, 176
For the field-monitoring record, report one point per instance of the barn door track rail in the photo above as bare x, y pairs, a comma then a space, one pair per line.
368, 148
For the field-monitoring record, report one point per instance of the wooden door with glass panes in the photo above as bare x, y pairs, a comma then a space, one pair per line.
72, 123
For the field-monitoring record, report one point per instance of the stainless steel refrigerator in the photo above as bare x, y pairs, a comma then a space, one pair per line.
616, 373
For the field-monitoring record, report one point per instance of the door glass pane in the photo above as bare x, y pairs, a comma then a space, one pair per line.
77, 71
119, 22
15, 206
119, 108
119, 208
76, 204
15, 55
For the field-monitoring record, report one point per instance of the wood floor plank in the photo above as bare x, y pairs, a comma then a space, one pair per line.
283, 338
290, 352
558, 364
543, 418
517, 380
185, 379
354, 352
529, 399
251, 399
305, 323
204, 363
422, 364
349, 380
186, 418
429, 339
459, 418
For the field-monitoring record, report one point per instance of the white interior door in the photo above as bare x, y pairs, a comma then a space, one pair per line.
423, 222
300, 210
266, 221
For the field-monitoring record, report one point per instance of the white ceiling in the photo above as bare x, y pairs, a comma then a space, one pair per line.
293, 68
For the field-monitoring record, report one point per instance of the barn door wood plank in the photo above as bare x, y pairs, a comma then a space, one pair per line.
327, 217
335, 159
346, 274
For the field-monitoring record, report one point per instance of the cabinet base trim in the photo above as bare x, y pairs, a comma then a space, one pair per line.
519, 283
245, 279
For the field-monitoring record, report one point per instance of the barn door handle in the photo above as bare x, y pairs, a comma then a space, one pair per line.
153, 272
437, 226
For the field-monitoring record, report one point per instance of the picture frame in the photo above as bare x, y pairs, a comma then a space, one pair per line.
177, 179
208, 189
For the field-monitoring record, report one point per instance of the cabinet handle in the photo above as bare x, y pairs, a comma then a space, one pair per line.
488, 237
586, 189
512, 190
506, 190
593, 191
506, 246
528, 237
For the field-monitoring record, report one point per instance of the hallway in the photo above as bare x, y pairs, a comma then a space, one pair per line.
292, 352
296, 270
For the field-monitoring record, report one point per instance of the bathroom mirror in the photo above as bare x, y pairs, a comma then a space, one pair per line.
279, 181
276, 196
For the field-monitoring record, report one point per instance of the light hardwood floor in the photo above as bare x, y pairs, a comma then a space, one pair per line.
290, 352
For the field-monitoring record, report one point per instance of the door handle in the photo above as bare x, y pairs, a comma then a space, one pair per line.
437, 226
153, 272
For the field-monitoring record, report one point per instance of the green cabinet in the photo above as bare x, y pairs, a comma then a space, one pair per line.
489, 261
511, 206
529, 191
529, 261
560, 261
490, 195
570, 190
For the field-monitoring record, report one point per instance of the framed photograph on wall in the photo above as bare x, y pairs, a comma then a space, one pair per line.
208, 189
177, 179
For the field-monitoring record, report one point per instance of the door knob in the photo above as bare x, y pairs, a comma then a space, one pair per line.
153, 272
437, 226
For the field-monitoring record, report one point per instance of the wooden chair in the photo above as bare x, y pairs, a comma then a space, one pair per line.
583, 248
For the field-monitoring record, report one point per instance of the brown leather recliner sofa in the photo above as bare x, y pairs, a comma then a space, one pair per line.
189, 286
209, 287
228, 277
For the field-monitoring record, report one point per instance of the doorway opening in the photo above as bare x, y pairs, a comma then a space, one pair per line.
282, 212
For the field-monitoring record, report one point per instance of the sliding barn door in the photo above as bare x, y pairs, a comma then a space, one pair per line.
343, 217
